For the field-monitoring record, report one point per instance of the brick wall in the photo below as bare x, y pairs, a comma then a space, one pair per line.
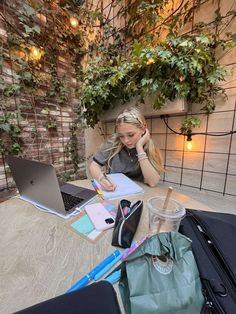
36, 109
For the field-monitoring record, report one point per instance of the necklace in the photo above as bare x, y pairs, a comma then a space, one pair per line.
131, 157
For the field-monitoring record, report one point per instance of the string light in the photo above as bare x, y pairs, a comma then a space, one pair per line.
189, 134
189, 141
74, 22
189, 146
35, 53
150, 61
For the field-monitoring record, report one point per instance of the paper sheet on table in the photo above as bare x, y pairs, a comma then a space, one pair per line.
125, 186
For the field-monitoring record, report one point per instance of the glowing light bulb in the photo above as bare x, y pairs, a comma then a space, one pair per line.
74, 22
189, 145
35, 53
150, 61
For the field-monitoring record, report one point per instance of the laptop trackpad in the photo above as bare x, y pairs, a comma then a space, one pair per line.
71, 189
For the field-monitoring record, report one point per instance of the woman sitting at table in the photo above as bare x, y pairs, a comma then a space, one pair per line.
130, 151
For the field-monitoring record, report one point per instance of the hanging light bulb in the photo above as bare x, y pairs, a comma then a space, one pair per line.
35, 53
74, 22
189, 141
150, 61
189, 145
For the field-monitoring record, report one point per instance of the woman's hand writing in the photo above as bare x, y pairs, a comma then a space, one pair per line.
107, 185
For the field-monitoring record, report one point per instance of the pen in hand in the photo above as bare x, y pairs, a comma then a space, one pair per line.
96, 188
111, 186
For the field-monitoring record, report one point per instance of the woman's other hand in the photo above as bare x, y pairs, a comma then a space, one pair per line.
143, 139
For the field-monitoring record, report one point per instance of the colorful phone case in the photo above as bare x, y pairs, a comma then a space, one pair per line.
99, 216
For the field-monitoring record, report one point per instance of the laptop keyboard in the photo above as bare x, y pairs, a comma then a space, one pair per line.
70, 201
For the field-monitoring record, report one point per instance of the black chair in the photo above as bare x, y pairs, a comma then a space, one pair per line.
99, 297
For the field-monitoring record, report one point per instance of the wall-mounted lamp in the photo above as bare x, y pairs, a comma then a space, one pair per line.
35, 53
74, 21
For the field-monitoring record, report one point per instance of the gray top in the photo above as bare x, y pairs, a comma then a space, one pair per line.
125, 161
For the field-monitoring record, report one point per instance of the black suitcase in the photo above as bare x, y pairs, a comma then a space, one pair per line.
213, 238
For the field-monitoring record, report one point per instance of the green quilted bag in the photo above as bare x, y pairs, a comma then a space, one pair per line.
161, 276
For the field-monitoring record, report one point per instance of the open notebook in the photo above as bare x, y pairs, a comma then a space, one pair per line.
125, 186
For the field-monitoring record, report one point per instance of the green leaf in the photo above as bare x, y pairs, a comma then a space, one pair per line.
27, 75
203, 39
4, 127
196, 65
137, 48
190, 123
159, 102
146, 82
37, 29
28, 29
184, 43
28, 10
15, 149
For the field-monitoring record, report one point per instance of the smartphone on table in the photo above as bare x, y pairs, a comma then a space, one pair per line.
100, 217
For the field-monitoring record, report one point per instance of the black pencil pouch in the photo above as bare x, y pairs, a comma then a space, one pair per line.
126, 223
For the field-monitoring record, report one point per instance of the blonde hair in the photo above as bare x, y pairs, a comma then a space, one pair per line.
133, 116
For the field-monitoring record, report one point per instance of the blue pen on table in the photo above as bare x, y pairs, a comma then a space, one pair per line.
90, 276
109, 266
96, 188
114, 277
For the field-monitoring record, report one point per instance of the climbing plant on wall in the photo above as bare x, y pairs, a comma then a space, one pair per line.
10, 134
161, 60
178, 67
39, 35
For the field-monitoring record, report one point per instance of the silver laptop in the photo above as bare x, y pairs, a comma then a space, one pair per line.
37, 183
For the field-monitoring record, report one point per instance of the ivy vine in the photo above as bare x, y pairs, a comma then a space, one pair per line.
183, 67
10, 134
166, 67
72, 147
39, 36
